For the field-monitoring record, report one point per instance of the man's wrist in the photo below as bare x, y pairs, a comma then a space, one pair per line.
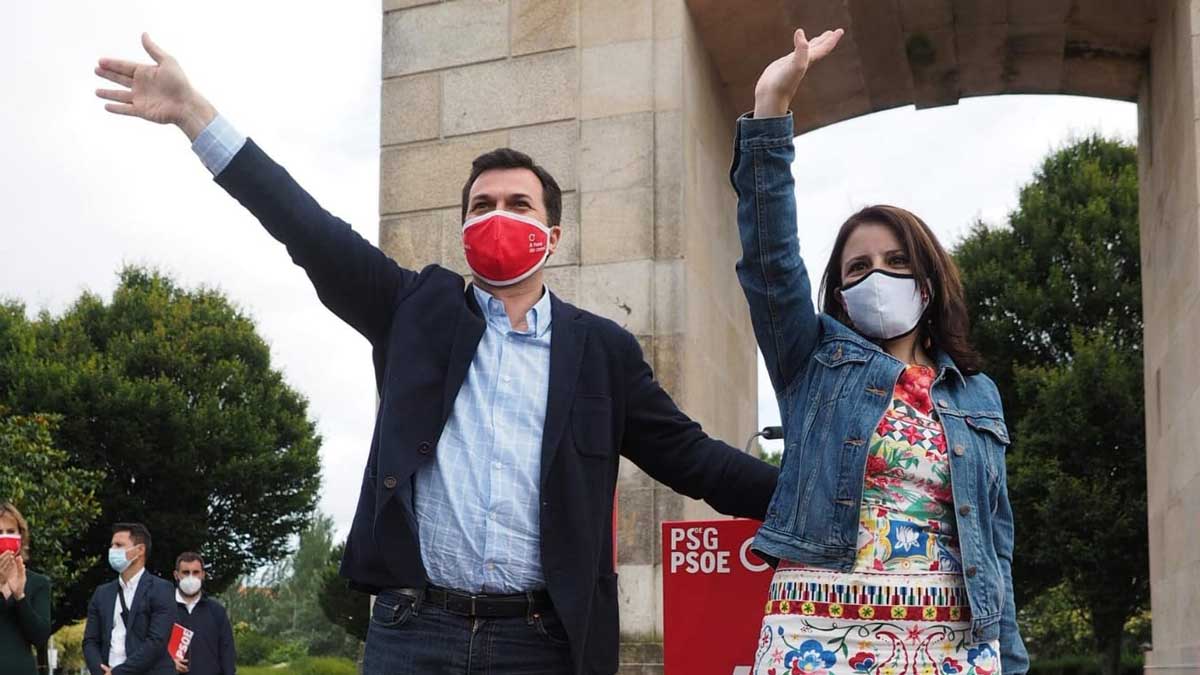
197, 115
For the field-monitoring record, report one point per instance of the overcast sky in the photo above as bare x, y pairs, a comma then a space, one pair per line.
85, 192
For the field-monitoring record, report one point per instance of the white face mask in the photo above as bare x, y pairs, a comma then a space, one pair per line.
190, 585
884, 305
119, 560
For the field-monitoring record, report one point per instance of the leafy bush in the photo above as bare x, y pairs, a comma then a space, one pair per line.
1082, 665
286, 652
253, 647
69, 642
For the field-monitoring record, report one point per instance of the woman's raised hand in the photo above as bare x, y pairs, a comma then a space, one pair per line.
780, 80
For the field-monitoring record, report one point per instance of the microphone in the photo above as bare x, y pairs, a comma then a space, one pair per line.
769, 433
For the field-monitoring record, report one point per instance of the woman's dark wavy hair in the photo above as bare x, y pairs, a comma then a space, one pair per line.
945, 324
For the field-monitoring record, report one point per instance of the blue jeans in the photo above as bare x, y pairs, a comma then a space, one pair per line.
407, 637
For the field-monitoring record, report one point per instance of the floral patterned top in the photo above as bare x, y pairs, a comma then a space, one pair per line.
906, 522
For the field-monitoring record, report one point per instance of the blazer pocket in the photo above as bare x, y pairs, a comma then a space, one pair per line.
591, 425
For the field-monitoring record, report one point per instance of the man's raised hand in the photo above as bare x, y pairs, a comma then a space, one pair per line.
158, 92
779, 81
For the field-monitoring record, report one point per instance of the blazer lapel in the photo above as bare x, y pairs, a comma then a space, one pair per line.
139, 595
568, 334
109, 608
467, 334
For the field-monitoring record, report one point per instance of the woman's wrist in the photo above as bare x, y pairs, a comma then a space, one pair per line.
770, 106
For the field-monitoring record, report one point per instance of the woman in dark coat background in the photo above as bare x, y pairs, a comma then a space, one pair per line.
24, 599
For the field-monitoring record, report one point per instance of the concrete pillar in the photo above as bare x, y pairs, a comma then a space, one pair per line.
1169, 168
617, 98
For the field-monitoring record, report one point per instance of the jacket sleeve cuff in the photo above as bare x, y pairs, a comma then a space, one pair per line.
217, 144
764, 132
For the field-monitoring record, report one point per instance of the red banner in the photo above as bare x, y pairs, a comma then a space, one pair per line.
714, 592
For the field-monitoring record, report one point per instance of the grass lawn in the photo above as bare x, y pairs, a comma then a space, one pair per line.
322, 665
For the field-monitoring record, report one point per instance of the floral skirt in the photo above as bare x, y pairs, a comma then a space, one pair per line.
823, 621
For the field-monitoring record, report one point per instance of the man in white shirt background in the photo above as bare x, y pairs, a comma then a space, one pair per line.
129, 619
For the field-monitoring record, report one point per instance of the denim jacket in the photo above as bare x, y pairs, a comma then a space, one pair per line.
833, 386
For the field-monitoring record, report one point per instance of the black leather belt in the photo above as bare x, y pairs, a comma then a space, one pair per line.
487, 605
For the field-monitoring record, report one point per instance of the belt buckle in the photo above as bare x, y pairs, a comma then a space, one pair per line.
474, 613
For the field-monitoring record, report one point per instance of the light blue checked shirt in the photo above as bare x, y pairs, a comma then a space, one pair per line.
477, 505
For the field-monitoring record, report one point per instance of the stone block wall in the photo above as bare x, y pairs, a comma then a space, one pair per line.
1169, 178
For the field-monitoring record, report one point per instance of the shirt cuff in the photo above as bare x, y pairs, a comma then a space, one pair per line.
764, 131
217, 144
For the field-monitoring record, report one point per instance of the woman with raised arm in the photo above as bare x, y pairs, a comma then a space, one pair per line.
890, 528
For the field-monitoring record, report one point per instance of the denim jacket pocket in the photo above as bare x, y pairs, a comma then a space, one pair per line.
837, 353
833, 358
993, 431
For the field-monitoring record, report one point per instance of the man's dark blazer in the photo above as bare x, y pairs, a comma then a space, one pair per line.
603, 402
151, 615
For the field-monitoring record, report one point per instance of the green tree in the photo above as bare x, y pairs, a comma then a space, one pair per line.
170, 393
286, 601
249, 602
57, 499
1055, 298
1054, 623
341, 604
303, 619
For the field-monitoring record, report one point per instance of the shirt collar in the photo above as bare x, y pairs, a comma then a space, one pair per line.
133, 583
538, 318
184, 601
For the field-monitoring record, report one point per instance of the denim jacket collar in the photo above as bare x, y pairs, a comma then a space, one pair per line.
944, 362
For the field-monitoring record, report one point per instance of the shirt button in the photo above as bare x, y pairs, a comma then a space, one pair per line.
389, 482
958, 451
964, 510
423, 447
972, 571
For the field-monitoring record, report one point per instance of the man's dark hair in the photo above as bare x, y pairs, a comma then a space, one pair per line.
189, 556
507, 158
138, 534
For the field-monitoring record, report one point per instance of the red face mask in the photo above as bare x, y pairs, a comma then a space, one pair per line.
10, 542
505, 248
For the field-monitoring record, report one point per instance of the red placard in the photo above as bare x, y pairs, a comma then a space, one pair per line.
714, 591
181, 638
